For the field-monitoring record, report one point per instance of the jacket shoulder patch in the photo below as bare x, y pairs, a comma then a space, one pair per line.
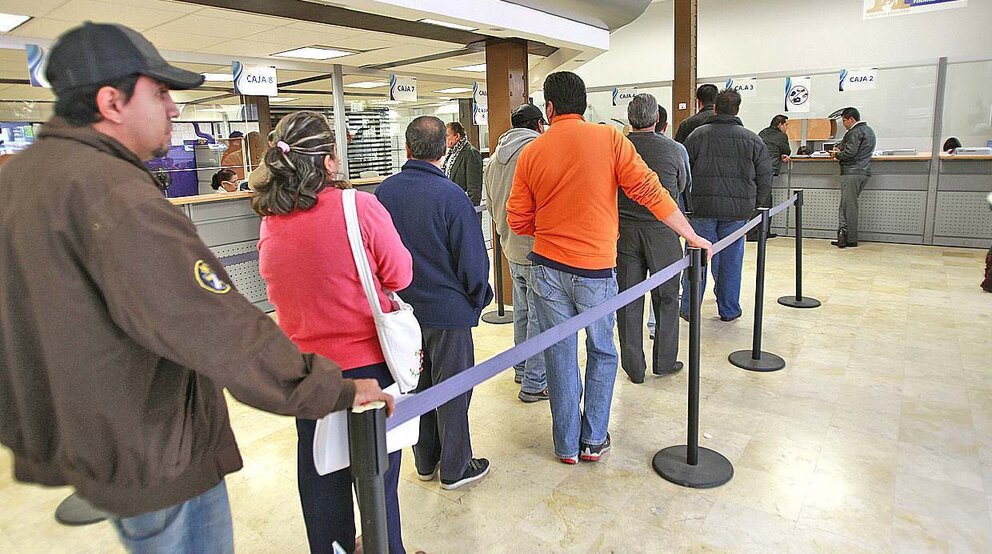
209, 280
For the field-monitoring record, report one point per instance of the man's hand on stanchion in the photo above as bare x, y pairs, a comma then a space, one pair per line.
697, 241
367, 390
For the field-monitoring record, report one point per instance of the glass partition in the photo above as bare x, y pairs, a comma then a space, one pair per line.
968, 103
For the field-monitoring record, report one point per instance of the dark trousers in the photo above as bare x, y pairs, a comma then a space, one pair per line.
641, 250
987, 283
444, 433
326, 499
851, 187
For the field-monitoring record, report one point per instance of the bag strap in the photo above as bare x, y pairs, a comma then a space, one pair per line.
358, 252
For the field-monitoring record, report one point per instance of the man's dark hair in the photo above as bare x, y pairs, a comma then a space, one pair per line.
457, 128
566, 92
851, 113
642, 112
662, 119
706, 94
425, 138
78, 105
728, 102
778, 120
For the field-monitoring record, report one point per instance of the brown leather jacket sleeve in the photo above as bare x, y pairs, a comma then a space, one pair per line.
167, 291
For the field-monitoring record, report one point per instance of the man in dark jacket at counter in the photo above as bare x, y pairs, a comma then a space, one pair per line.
854, 154
463, 164
648, 245
731, 175
779, 149
120, 327
705, 99
450, 287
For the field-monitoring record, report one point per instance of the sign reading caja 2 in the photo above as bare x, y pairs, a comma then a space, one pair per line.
402, 89
255, 80
857, 79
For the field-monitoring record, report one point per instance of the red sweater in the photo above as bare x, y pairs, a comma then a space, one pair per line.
306, 262
564, 192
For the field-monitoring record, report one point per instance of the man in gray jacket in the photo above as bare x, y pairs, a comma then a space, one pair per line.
779, 149
528, 123
648, 245
854, 154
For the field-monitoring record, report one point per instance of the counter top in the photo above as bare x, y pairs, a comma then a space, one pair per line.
983, 157
922, 157
223, 196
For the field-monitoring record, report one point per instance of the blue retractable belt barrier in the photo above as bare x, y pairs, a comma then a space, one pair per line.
421, 403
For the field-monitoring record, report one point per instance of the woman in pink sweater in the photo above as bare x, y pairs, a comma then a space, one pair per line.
306, 261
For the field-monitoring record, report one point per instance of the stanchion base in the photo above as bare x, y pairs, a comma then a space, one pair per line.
496, 319
74, 510
806, 302
712, 469
767, 362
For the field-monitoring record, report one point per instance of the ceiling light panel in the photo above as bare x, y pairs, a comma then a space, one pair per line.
478, 68
453, 90
449, 25
314, 53
367, 84
9, 21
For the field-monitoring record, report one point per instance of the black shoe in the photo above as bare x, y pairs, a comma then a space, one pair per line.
675, 369
729, 318
852, 245
530, 397
651, 336
636, 381
841, 241
477, 469
684, 315
592, 453
838, 244
772, 235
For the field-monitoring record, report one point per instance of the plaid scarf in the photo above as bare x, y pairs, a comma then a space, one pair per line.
453, 155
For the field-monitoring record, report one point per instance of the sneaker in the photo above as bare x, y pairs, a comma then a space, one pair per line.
529, 397
569, 460
592, 453
429, 476
477, 469
675, 369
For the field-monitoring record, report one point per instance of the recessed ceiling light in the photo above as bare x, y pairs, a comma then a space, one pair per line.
9, 21
454, 90
279, 99
314, 53
449, 25
218, 76
386, 102
478, 68
367, 84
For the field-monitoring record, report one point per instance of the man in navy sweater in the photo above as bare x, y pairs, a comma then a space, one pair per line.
440, 228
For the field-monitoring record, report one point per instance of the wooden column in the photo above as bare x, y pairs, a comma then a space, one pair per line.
684, 86
506, 84
467, 121
257, 107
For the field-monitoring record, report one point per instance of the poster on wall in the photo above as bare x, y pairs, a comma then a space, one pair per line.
745, 87
402, 88
857, 79
480, 104
37, 62
623, 96
875, 9
797, 93
255, 80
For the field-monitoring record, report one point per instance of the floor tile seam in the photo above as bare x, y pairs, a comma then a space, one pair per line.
853, 537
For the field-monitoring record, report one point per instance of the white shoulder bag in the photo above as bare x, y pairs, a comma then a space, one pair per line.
399, 331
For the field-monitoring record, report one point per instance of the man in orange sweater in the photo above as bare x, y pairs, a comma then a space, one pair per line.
564, 194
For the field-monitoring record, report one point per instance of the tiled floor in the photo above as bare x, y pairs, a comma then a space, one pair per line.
876, 437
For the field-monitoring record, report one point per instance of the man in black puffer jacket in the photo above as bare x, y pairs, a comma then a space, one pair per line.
731, 175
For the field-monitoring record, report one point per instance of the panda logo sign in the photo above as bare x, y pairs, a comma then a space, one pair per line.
797, 94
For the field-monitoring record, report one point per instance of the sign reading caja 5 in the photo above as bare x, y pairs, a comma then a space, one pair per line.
255, 80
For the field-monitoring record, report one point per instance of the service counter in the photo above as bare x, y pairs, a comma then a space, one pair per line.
228, 225
906, 200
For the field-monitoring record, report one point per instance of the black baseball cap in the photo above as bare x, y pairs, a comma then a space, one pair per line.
96, 53
524, 113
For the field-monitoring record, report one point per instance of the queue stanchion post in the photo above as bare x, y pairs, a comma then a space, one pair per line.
799, 301
500, 315
755, 359
691, 465
369, 462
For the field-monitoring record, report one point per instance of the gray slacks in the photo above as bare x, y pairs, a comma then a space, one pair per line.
641, 250
444, 433
850, 189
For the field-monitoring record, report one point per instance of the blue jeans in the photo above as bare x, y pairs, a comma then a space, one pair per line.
559, 296
201, 524
531, 370
726, 266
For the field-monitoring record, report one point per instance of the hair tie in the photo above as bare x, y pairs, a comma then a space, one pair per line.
283, 146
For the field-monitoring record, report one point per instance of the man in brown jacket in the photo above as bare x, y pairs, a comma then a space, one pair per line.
119, 329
